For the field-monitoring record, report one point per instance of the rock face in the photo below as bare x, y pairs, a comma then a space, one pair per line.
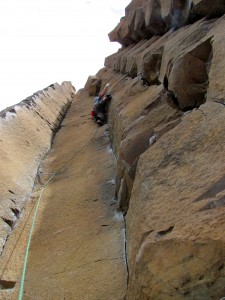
166, 124
26, 132
77, 250
146, 18
175, 221
172, 73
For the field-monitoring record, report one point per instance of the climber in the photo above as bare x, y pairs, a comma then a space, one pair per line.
99, 112
101, 108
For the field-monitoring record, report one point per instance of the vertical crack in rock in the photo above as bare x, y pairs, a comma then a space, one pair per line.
60, 118
125, 253
125, 230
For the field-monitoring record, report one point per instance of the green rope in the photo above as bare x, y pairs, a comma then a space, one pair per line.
35, 215
29, 240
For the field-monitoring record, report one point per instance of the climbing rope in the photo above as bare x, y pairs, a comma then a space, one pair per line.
36, 211
43, 187
29, 239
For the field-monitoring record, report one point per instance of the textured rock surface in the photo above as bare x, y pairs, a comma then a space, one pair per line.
188, 62
208, 8
26, 132
170, 73
175, 222
170, 163
77, 249
146, 18
90, 264
93, 85
166, 122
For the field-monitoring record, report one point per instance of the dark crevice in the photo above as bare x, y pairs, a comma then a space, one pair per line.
12, 110
214, 189
2, 114
155, 103
16, 212
220, 102
13, 201
201, 277
214, 204
40, 116
125, 230
133, 71
165, 82
145, 81
172, 100
57, 128
7, 284
186, 91
9, 222
125, 253
151, 68
166, 231
3, 247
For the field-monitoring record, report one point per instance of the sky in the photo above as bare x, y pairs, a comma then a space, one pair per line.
48, 41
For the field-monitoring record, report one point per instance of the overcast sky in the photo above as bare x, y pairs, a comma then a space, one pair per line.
47, 41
